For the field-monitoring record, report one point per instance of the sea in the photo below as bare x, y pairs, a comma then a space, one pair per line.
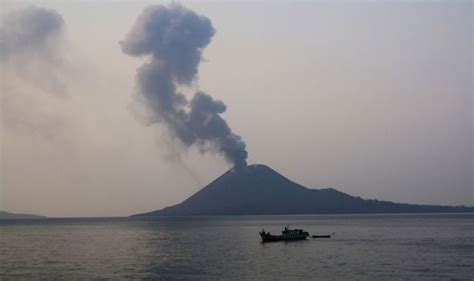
362, 247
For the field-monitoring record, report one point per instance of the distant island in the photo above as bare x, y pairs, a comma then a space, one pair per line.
6, 215
259, 190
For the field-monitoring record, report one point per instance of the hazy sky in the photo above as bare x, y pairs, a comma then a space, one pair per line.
372, 98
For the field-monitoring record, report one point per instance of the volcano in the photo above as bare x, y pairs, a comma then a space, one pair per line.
259, 190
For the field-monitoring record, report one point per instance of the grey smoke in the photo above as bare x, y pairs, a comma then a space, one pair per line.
174, 38
32, 30
34, 72
32, 48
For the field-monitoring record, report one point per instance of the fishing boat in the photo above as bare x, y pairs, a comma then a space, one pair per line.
287, 234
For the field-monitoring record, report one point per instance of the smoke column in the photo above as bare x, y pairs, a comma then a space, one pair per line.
174, 37
32, 70
30, 31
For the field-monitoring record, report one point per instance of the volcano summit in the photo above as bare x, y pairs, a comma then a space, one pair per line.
259, 190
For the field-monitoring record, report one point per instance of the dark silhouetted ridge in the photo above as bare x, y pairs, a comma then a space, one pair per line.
259, 190
7, 215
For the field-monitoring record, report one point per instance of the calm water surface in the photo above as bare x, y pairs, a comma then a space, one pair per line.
364, 247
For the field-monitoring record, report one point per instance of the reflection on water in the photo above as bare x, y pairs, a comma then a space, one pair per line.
365, 247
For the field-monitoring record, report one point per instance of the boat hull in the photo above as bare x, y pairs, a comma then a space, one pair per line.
275, 238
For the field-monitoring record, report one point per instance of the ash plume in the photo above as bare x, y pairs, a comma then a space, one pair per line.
174, 38
31, 49
29, 31
33, 70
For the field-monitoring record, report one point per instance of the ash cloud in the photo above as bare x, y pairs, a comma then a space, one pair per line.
32, 30
174, 37
33, 69
31, 48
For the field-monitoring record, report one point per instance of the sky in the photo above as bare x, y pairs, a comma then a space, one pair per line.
373, 98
